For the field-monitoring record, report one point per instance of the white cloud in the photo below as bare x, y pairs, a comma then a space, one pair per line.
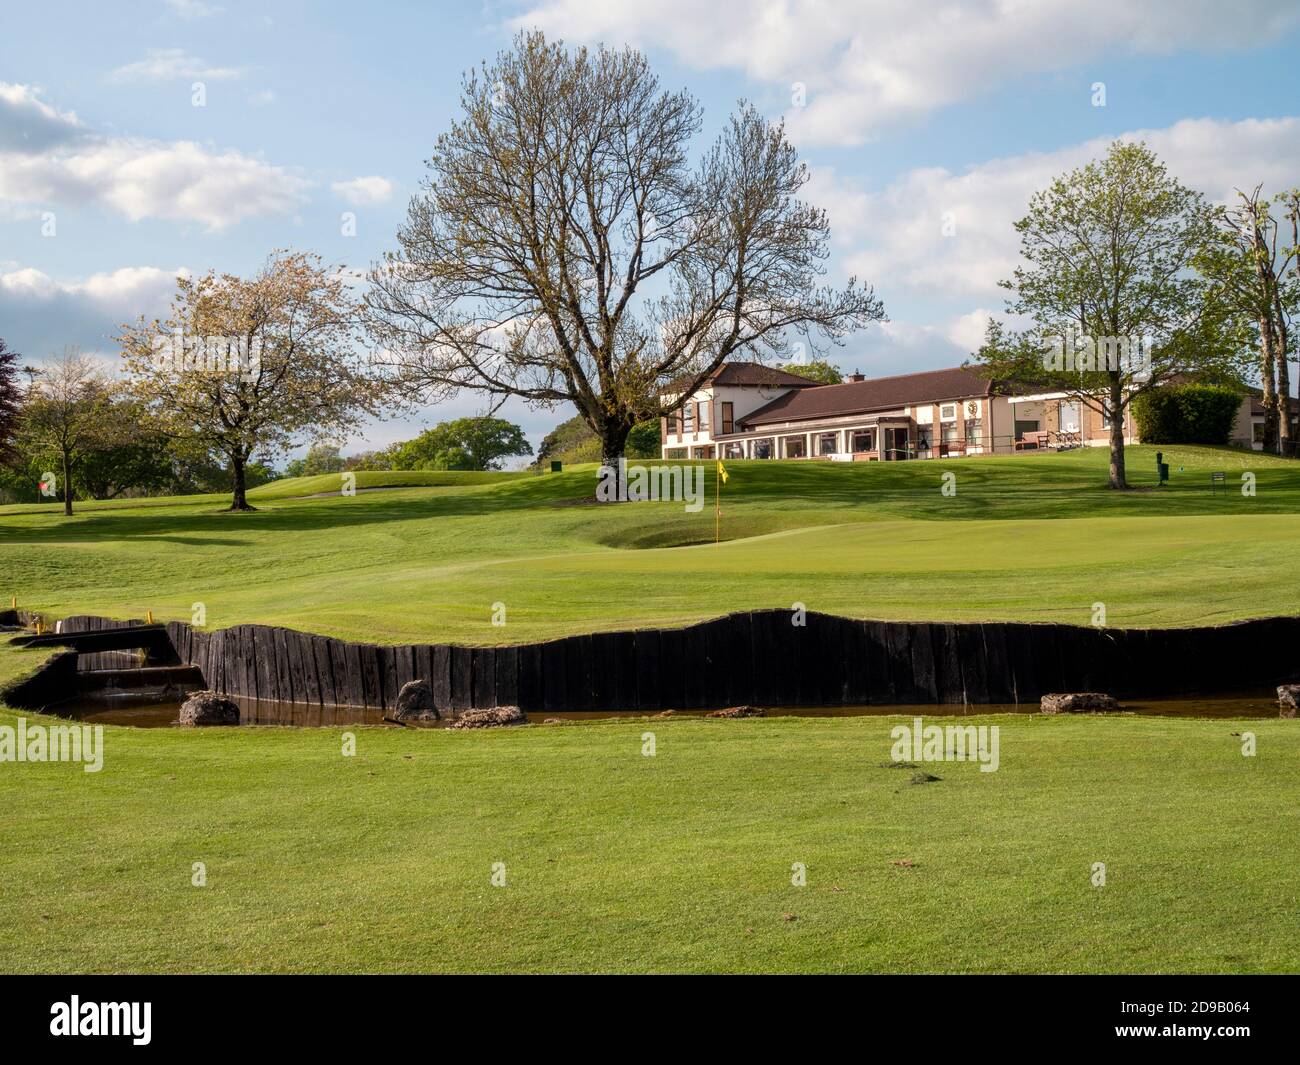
42, 314
364, 191
59, 162
936, 232
867, 66
28, 123
193, 8
172, 64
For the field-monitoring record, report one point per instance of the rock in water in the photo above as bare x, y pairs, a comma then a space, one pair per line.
1288, 698
415, 701
499, 715
1077, 702
208, 708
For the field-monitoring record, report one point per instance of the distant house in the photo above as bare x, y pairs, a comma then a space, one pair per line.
1249, 428
745, 410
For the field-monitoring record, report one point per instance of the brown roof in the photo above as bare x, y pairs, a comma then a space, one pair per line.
747, 373
880, 393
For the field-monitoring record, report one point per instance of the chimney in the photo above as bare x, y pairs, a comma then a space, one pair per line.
856, 376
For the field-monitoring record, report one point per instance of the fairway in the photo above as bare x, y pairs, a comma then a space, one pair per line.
616, 861
1031, 538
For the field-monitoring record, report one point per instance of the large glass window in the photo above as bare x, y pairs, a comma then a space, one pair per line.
736, 451
763, 448
728, 419
795, 447
689, 417
828, 443
948, 433
974, 431
703, 416
864, 440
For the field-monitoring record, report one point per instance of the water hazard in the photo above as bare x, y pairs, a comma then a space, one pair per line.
127, 708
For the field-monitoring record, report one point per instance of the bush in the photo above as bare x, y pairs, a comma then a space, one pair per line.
1187, 414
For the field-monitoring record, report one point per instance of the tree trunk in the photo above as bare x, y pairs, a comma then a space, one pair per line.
239, 476
67, 483
1284, 442
1115, 406
1267, 374
613, 442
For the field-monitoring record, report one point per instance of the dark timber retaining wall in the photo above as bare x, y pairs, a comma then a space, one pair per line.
758, 658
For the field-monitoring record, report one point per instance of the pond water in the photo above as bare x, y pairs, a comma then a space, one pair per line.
127, 708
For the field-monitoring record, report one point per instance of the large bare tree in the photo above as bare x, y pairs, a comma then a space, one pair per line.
253, 364
565, 248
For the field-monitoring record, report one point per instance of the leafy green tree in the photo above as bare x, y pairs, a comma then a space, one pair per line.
65, 416
817, 370
1252, 263
11, 396
463, 444
1108, 288
321, 457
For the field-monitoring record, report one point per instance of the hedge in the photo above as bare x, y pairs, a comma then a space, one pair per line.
1187, 414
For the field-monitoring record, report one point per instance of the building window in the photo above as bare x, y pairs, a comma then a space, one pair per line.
689, 417
922, 438
948, 433
1259, 432
728, 419
974, 431
735, 451
796, 447
864, 440
948, 412
675, 453
702, 416
763, 448
1023, 427
828, 443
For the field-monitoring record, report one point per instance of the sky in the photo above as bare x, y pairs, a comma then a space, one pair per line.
147, 138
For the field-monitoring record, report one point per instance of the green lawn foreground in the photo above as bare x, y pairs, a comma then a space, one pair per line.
682, 861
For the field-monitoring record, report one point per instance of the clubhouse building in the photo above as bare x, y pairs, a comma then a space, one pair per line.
746, 410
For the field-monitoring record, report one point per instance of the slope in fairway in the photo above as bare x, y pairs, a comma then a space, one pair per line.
1035, 537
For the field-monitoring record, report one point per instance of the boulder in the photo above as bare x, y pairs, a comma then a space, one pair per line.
1077, 702
208, 708
1288, 698
498, 715
415, 702
739, 711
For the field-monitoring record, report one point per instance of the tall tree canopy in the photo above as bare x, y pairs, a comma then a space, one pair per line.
565, 249
1107, 278
266, 359
1254, 263
10, 399
66, 415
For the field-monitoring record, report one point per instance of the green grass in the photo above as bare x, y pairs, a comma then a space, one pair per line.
1034, 537
381, 862
679, 862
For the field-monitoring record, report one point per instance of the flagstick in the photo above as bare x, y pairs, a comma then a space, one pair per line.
717, 504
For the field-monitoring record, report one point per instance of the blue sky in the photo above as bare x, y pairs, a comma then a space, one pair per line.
910, 114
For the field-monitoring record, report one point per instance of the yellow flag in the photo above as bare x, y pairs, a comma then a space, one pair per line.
722, 471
